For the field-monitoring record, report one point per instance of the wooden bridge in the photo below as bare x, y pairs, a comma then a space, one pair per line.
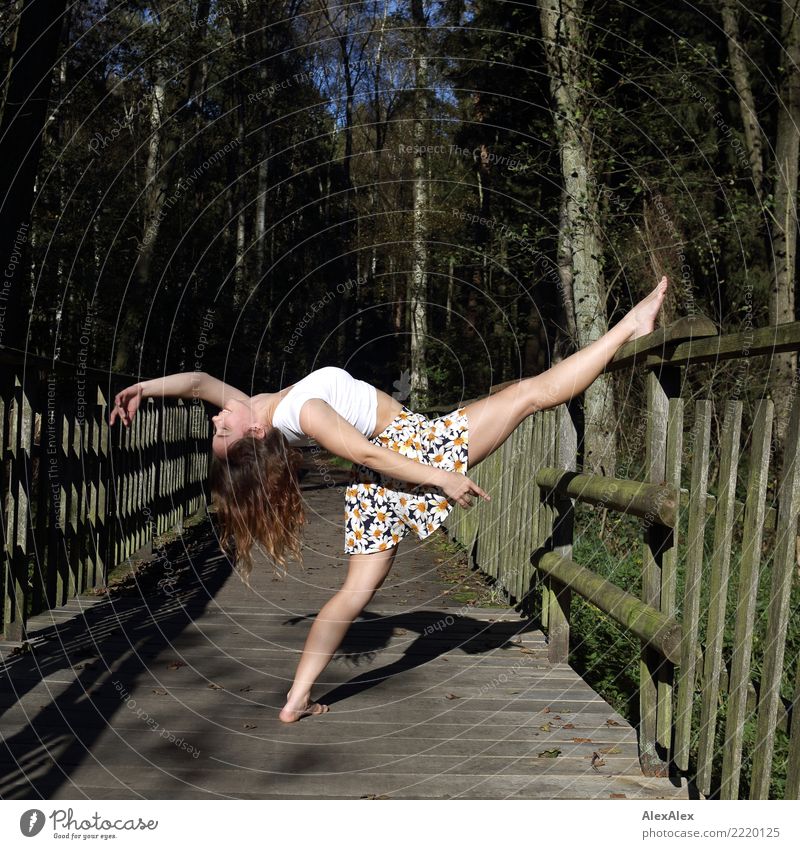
176, 694
169, 685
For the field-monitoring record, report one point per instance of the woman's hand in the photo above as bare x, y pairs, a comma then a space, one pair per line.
126, 403
459, 487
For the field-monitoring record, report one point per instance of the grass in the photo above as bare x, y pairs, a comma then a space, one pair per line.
474, 588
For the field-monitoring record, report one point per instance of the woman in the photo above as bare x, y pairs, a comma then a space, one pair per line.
407, 468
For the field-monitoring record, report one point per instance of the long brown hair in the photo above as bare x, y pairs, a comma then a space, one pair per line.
257, 495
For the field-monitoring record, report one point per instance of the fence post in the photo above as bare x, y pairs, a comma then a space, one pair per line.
661, 387
560, 596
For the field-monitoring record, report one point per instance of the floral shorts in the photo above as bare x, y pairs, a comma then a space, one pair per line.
379, 511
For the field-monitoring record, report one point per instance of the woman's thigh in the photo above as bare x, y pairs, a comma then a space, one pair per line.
366, 572
494, 418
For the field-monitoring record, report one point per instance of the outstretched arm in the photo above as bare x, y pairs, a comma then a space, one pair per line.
184, 384
322, 423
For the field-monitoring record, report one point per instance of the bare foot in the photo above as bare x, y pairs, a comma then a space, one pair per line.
297, 709
643, 316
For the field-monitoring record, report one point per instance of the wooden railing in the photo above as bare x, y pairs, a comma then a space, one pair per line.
79, 497
692, 668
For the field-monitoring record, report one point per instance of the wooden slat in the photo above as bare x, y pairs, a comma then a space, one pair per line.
492, 530
13, 566
792, 788
669, 572
505, 514
694, 575
783, 567
525, 506
540, 518
658, 390
515, 514
718, 590
554, 619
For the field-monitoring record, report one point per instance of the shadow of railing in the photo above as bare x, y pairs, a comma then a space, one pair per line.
108, 647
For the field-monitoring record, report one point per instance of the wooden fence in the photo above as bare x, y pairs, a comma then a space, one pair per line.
79, 497
707, 650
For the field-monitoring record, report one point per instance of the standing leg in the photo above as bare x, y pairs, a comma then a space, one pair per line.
493, 419
365, 573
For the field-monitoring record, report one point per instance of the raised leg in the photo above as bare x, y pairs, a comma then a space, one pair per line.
365, 573
494, 418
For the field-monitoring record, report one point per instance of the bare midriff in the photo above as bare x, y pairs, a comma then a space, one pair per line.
388, 409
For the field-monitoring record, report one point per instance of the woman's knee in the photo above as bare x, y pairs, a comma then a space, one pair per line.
356, 599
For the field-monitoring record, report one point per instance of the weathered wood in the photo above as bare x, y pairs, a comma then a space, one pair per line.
718, 591
15, 567
83, 511
526, 504
563, 527
770, 515
550, 588
650, 625
703, 345
642, 351
792, 790
467, 713
657, 503
783, 567
694, 571
763, 341
505, 515
669, 572
659, 388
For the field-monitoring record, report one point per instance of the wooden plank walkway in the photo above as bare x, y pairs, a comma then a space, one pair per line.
174, 692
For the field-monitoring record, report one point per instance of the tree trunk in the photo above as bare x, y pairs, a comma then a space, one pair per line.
154, 197
159, 170
741, 79
784, 227
418, 294
24, 116
564, 40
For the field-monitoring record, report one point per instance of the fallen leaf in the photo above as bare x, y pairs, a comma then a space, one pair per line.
597, 760
617, 796
247, 725
567, 725
176, 664
525, 650
245, 689
549, 753
214, 687
545, 727
611, 722
612, 750
451, 696
160, 692
581, 740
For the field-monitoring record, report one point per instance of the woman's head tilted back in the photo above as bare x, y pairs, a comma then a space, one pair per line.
255, 489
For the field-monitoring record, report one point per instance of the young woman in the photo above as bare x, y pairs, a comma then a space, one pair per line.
408, 468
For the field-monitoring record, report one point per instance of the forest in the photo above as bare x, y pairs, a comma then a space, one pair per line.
438, 196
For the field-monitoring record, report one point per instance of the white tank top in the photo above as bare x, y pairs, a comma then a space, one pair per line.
354, 400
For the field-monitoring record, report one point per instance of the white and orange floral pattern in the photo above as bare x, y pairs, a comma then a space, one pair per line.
379, 510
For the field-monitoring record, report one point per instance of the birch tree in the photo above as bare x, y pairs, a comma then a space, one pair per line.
563, 31
784, 178
418, 290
